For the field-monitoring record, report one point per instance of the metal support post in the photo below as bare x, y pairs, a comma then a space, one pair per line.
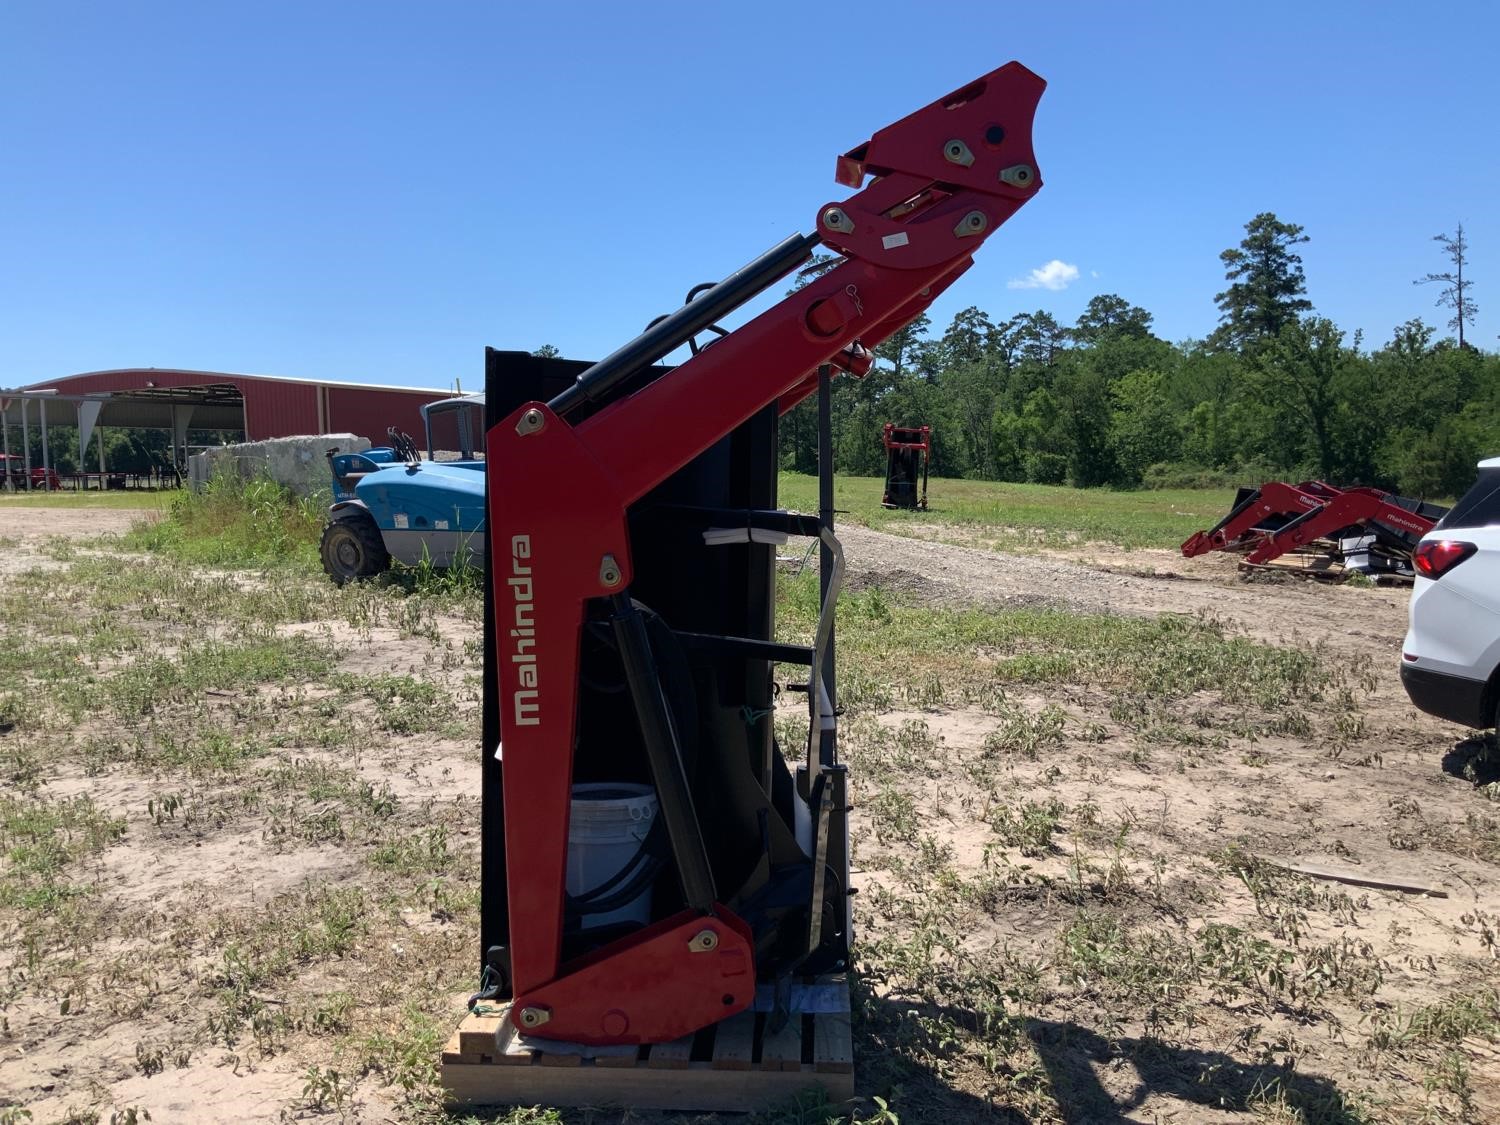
26, 440
827, 749
46, 456
832, 813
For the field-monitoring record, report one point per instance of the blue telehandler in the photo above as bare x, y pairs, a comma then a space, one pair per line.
391, 502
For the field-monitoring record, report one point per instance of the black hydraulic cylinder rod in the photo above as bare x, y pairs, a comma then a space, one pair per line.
675, 330
663, 755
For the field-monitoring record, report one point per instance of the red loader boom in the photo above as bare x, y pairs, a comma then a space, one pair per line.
1374, 532
1253, 508
1362, 507
576, 471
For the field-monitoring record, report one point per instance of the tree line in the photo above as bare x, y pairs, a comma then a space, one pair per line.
1275, 391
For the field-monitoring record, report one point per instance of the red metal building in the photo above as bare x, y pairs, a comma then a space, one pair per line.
267, 406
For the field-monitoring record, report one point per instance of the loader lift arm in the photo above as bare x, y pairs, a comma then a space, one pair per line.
1354, 506
945, 178
1272, 499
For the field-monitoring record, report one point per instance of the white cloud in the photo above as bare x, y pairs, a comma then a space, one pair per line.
1055, 275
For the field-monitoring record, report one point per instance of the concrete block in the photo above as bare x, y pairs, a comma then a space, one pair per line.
297, 462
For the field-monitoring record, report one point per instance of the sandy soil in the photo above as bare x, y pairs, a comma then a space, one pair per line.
1275, 609
1288, 796
1355, 624
1371, 810
25, 522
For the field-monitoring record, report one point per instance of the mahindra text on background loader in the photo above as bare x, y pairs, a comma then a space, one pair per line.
630, 643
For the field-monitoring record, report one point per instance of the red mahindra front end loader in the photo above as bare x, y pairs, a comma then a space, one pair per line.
1367, 530
630, 629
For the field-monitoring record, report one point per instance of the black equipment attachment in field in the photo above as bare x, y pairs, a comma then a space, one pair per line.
908, 449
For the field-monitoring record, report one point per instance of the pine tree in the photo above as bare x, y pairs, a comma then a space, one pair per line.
1267, 290
1455, 291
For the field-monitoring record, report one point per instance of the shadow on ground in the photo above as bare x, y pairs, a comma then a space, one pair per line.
1074, 1060
1074, 1057
1475, 759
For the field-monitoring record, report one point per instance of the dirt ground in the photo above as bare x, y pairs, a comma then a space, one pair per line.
35, 523
1157, 839
1101, 579
1290, 799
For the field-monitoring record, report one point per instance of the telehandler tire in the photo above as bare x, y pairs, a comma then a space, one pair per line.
352, 548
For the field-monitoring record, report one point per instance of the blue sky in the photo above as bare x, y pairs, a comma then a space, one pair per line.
376, 191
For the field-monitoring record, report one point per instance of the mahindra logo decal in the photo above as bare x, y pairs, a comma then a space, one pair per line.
525, 701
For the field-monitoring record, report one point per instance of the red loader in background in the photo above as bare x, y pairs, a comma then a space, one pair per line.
1361, 529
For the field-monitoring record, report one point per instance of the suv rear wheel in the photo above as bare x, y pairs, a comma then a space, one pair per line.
352, 548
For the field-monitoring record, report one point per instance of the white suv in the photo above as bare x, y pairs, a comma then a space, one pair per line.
1450, 660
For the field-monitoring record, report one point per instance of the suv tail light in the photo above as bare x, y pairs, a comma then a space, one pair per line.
1436, 558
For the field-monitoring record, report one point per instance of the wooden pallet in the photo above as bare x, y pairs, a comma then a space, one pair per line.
1324, 571
734, 1066
1318, 567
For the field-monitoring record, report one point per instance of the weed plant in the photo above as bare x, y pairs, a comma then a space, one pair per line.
237, 522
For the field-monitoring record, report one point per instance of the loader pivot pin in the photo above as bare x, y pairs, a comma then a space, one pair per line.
609, 571
958, 153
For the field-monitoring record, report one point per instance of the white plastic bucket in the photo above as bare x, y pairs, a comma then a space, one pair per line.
607, 827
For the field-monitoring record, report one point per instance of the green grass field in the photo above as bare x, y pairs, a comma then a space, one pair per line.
145, 499
1013, 516
990, 513
255, 523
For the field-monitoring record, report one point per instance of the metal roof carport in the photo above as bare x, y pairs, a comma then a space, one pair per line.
168, 408
258, 406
